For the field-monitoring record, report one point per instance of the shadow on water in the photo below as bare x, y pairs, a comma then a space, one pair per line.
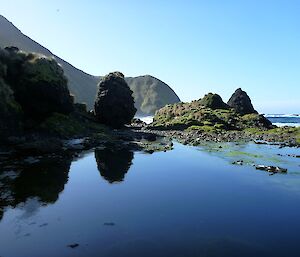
43, 179
113, 164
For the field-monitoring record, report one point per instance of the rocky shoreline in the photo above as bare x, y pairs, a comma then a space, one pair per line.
196, 138
136, 137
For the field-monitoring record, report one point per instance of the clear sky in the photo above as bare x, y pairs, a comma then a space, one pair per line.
194, 46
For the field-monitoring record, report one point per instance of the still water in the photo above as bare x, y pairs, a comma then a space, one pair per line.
186, 202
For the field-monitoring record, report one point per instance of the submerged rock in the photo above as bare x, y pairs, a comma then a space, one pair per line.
73, 245
150, 137
272, 169
114, 105
241, 102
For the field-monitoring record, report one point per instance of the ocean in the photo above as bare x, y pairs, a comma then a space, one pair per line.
281, 120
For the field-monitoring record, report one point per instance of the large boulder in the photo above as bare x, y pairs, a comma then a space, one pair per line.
43, 89
213, 101
114, 105
241, 102
38, 83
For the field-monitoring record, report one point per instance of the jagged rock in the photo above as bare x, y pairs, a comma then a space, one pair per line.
114, 105
41, 146
213, 101
241, 102
208, 114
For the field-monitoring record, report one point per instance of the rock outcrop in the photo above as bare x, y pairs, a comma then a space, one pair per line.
38, 83
114, 105
213, 101
209, 114
42, 89
32, 88
241, 102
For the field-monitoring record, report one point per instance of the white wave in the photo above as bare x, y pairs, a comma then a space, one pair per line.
147, 119
282, 116
286, 124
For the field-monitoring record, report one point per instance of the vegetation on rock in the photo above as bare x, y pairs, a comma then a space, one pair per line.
213, 101
39, 84
77, 124
114, 105
207, 114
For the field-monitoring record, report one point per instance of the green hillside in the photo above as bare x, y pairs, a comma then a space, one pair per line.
150, 93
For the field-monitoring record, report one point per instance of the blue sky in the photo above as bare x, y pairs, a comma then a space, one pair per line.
194, 46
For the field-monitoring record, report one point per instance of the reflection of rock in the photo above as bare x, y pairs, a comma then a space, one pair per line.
42, 179
113, 164
45, 180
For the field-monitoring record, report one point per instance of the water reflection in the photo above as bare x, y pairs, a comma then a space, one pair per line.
113, 164
43, 180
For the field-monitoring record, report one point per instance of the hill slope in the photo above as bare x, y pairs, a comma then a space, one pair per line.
150, 93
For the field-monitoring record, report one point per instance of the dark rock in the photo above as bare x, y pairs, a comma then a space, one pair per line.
109, 224
137, 123
10, 112
114, 105
240, 162
80, 107
149, 151
241, 102
73, 245
43, 80
150, 137
42, 146
213, 101
271, 169
37, 82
